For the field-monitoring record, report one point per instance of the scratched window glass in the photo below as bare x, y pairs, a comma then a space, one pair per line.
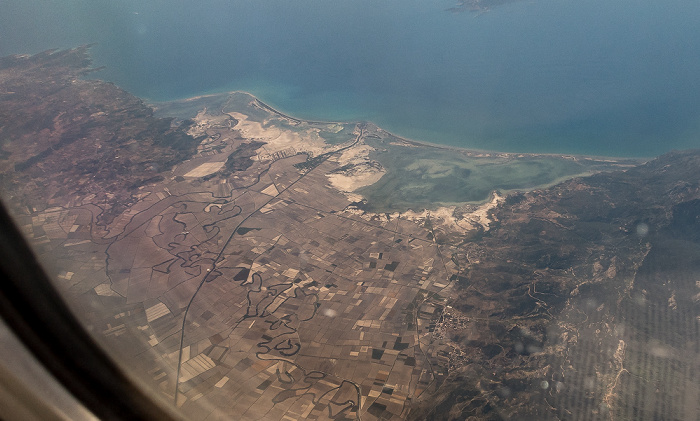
395, 210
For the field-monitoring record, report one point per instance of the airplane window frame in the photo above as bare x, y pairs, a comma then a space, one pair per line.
36, 313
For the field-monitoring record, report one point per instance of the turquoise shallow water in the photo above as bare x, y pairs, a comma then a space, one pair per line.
555, 76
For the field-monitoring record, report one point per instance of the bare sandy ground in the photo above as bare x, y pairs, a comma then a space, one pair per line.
204, 121
363, 171
205, 169
278, 139
444, 217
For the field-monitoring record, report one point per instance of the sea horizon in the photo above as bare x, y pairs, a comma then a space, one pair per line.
547, 77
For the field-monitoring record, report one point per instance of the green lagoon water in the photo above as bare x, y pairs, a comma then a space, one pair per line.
597, 77
430, 177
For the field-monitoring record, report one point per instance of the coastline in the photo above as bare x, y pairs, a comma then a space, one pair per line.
387, 172
418, 143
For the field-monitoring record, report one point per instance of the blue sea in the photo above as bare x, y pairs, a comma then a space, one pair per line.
600, 77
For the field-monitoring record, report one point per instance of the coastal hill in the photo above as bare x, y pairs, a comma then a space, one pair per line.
67, 136
247, 264
581, 299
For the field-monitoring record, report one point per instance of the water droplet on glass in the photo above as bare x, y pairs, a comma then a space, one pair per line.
504, 392
642, 229
558, 386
